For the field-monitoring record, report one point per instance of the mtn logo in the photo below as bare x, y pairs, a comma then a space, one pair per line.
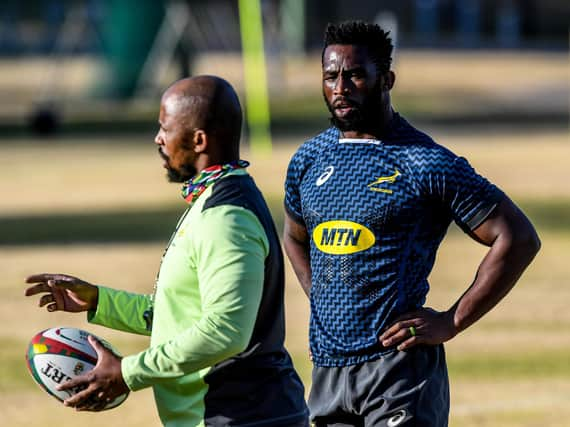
342, 237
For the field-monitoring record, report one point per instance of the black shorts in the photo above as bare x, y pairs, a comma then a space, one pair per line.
401, 388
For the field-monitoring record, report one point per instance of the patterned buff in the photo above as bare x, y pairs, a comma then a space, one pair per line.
192, 188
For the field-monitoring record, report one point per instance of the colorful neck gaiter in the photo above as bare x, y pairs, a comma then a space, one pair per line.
194, 187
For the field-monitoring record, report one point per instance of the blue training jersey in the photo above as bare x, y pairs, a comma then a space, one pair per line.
376, 212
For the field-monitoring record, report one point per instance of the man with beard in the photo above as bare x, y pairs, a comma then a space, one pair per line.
216, 316
368, 202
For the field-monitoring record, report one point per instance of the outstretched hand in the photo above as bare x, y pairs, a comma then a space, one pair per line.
100, 386
63, 292
423, 326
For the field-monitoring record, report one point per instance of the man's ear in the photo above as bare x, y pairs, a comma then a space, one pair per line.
389, 80
200, 140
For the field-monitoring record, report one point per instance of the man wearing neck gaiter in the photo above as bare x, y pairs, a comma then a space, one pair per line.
216, 315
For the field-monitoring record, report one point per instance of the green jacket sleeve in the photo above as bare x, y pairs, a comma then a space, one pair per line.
121, 310
228, 251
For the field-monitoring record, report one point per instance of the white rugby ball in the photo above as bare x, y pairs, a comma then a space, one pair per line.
59, 354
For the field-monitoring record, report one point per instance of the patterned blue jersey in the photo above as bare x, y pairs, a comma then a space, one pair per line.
376, 212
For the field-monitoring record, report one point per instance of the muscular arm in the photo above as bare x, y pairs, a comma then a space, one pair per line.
296, 243
513, 244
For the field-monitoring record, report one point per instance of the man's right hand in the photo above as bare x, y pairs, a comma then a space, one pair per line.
63, 292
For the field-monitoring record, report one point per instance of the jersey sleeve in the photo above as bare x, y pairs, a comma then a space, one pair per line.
469, 196
295, 171
121, 310
229, 254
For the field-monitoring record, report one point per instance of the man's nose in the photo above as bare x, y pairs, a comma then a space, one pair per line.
341, 85
158, 138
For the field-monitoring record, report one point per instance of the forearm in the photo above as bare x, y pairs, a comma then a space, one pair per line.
298, 254
231, 299
503, 265
121, 310
215, 338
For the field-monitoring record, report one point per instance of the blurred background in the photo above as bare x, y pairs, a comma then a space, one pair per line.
83, 191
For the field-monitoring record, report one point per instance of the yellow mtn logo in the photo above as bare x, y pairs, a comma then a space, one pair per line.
342, 237
384, 179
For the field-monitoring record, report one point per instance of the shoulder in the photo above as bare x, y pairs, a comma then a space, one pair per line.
419, 148
229, 214
309, 151
312, 146
234, 190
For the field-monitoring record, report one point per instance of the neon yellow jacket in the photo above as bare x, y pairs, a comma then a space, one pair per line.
208, 294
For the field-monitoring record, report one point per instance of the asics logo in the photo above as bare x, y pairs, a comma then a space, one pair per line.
325, 176
397, 419
375, 185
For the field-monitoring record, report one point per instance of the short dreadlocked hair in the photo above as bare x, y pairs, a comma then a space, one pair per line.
360, 33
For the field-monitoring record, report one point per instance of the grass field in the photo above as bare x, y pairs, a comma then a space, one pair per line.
510, 369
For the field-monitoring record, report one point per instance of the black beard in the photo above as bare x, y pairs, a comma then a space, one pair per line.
184, 174
363, 117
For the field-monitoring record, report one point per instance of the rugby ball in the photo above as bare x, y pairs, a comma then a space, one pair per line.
59, 354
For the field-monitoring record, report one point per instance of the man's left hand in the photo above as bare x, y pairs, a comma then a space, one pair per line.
423, 326
101, 386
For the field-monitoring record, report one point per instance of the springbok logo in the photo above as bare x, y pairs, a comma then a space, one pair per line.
78, 368
342, 237
384, 179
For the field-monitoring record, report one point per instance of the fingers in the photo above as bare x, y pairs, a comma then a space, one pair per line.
91, 396
83, 398
37, 289
46, 299
54, 286
409, 343
44, 279
424, 326
398, 330
99, 348
53, 298
93, 405
35, 278
78, 383
59, 301
405, 334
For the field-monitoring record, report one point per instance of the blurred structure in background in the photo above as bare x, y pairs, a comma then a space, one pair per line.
34, 26
79, 63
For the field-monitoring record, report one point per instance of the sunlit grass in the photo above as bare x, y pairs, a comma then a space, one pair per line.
529, 363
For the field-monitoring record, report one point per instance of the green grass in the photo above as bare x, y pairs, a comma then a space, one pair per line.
551, 215
526, 363
13, 370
